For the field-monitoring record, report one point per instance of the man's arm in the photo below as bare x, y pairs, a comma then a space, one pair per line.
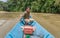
22, 15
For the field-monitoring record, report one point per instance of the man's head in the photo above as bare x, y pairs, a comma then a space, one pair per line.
28, 10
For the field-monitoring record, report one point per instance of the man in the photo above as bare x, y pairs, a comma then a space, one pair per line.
26, 16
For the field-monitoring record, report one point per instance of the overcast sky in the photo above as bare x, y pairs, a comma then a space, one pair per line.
3, 0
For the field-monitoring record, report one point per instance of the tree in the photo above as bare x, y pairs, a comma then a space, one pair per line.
45, 6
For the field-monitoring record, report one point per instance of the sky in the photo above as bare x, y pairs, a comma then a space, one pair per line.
3, 0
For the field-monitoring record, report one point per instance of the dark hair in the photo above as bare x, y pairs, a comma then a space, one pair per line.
27, 7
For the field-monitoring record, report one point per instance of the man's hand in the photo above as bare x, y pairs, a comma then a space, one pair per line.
29, 20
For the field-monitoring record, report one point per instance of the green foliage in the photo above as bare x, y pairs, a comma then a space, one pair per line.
45, 6
1, 5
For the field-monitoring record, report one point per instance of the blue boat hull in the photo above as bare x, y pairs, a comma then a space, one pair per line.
40, 32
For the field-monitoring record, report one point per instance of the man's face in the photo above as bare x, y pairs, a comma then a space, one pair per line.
28, 10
